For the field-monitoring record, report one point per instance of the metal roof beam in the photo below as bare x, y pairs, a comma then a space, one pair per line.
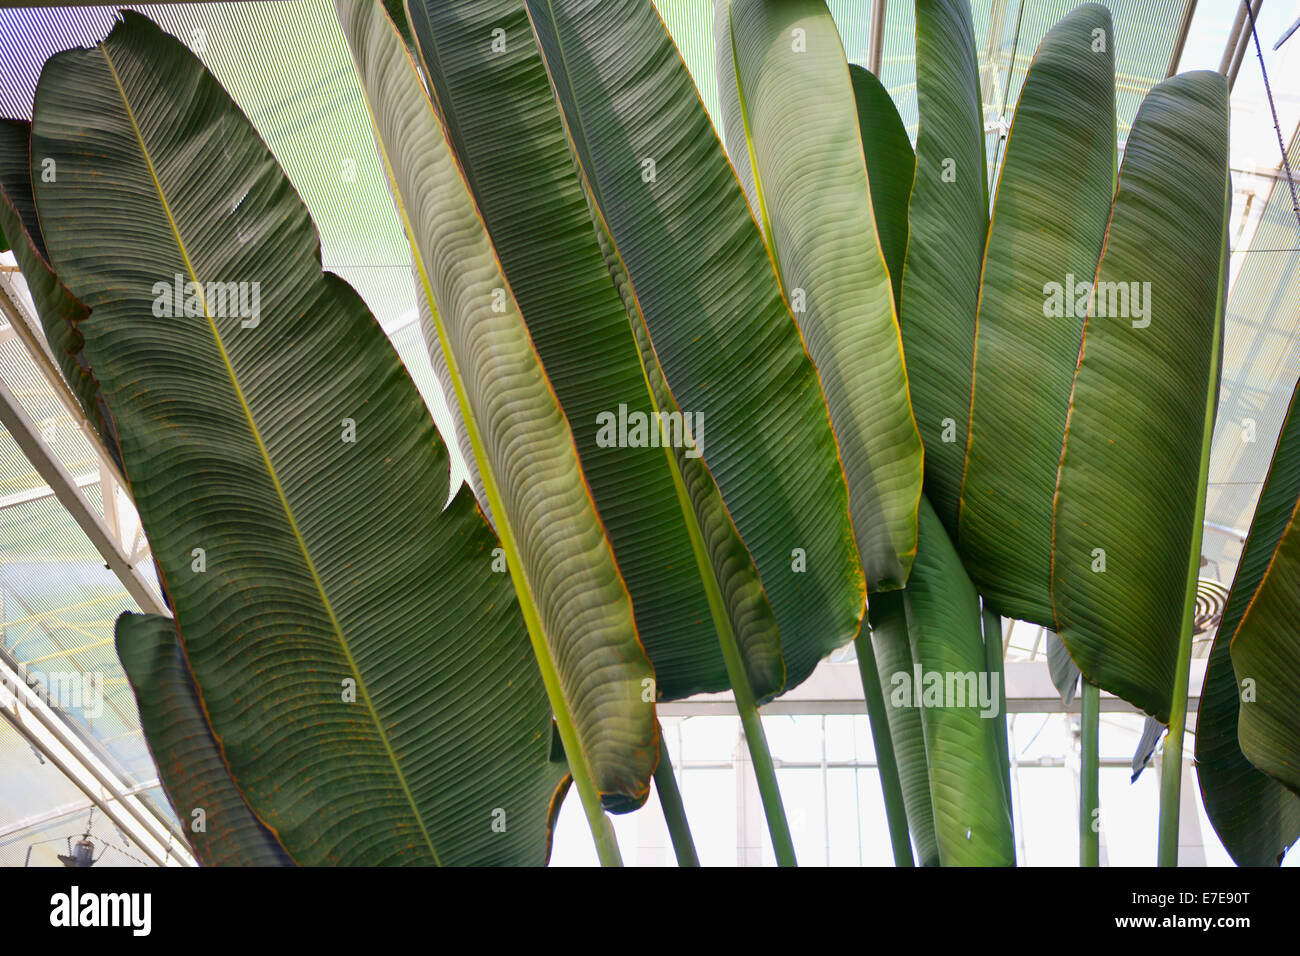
877, 36
45, 728
1180, 39
1233, 54
67, 810
26, 327
1287, 35
836, 688
1234, 38
43, 491
24, 432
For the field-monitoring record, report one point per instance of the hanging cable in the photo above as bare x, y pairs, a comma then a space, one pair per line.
1277, 127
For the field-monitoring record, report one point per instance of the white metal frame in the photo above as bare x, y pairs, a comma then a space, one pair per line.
39, 723
877, 37
836, 688
60, 482
120, 800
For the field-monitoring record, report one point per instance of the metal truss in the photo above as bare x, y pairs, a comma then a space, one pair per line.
63, 746
57, 740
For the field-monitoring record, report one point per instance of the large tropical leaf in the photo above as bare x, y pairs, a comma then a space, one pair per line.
733, 117
367, 678
442, 372
396, 10
892, 649
1144, 751
58, 309
1126, 543
222, 831
705, 287
891, 167
972, 815
1266, 651
739, 590
503, 123
1265, 646
801, 122
570, 589
947, 227
1255, 816
1049, 216
1063, 670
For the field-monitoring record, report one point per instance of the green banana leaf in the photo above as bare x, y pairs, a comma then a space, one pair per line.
948, 224
396, 10
892, 650
1132, 471
1065, 673
504, 126
571, 592
719, 326
801, 122
968, 789
58, 310
368, 679
739, 590
891, 167
733, 117
1265, 646
221, 830
1266, 650
1049, 216
1144, 752
1255, 816
442, 372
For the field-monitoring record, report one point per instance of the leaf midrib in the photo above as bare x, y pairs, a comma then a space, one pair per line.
266, 458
